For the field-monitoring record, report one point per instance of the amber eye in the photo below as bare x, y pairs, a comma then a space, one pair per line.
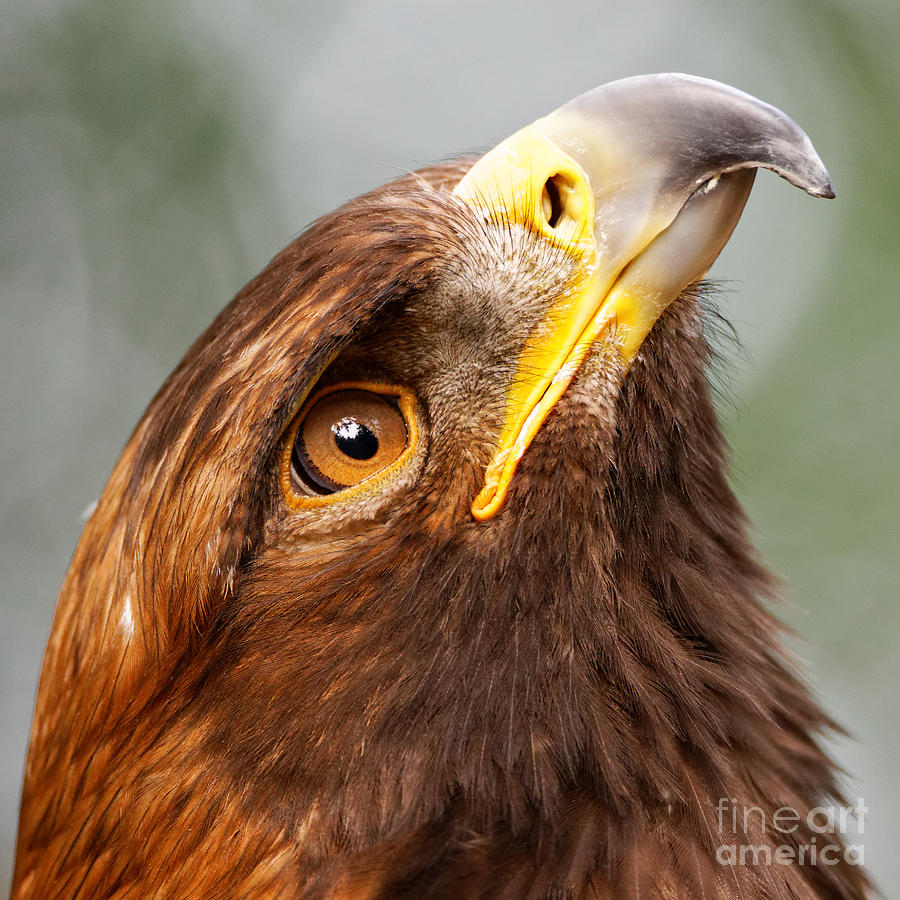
345, 437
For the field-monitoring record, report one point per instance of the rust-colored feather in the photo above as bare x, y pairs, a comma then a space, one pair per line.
547, 704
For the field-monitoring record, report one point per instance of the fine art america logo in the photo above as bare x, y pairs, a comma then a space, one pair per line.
825, 836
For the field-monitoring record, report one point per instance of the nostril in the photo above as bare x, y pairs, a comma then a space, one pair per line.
552, 199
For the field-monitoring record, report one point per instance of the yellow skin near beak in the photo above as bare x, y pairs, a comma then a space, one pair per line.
664, 167
516, 183
511, 184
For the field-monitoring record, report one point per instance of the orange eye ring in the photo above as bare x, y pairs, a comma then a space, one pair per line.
405, 404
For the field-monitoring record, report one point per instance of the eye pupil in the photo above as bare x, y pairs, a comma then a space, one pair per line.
354, 439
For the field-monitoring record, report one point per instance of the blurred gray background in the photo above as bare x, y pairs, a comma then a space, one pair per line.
154, 156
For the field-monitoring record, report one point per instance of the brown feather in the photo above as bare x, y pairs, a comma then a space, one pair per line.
238, 700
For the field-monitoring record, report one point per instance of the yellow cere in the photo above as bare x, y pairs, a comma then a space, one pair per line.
509, 185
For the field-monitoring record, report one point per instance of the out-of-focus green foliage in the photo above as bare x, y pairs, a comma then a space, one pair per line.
818, 442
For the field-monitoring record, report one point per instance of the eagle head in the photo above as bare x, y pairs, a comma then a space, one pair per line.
422, 576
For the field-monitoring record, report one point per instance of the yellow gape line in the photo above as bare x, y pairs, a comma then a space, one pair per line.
530, 181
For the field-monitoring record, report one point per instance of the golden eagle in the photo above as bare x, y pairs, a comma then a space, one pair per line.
421, 576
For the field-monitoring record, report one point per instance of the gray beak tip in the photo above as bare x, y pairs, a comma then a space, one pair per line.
826, 191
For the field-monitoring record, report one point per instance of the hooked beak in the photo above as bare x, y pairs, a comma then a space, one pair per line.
642, 182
